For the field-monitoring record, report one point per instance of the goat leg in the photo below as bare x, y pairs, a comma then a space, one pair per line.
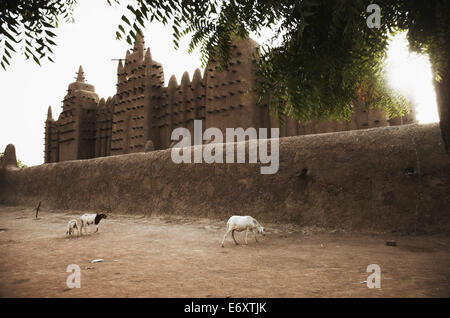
232, 234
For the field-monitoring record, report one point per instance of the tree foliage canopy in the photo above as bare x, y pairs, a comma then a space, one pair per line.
30, 24
322, 58
325, 55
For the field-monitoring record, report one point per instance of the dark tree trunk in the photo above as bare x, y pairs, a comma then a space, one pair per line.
440, 48
442, 89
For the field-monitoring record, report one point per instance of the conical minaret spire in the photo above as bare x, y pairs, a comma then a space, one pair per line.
80, 75
139, 43
49, 113
148, 61
148, 55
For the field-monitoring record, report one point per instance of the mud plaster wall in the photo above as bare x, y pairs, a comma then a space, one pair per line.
383, 179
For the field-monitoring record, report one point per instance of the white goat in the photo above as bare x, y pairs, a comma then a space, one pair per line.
243, 223
88, 219
71, 226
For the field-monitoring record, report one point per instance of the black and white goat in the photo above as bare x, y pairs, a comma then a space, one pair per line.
88, 219
243, 223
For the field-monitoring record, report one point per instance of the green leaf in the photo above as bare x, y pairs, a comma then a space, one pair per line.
5, 60
50, 33
125, 19
9, 46
36, 60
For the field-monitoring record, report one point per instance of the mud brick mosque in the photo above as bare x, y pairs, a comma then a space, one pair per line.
143, 113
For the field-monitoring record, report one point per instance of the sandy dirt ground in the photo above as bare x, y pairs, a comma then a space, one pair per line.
182, 257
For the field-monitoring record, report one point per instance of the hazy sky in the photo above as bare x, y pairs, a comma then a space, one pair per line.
26, 90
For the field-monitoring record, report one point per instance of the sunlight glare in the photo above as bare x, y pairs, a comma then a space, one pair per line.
410, 74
